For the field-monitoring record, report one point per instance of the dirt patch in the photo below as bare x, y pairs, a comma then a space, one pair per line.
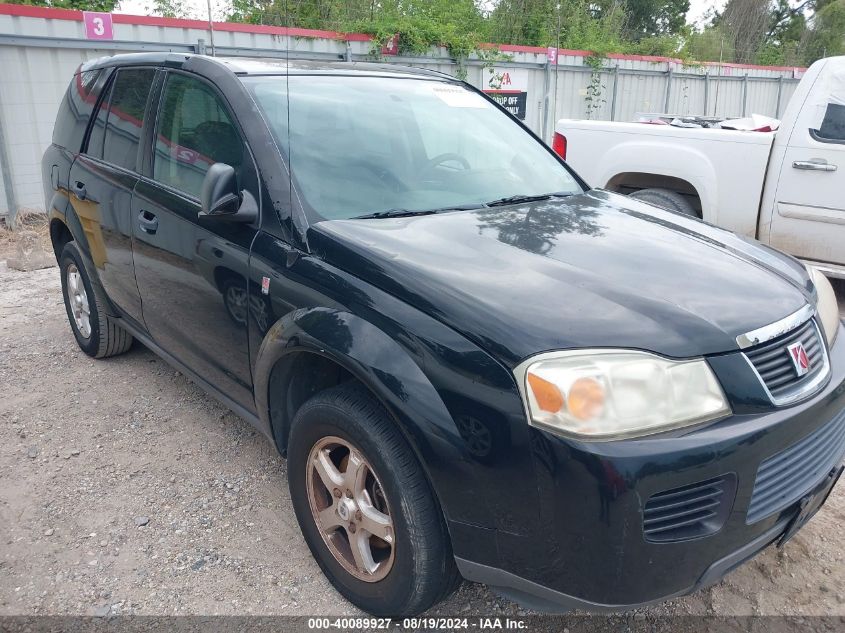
26, 221
125, 489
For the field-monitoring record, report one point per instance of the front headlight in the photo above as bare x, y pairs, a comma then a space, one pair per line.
611, 394
826, 307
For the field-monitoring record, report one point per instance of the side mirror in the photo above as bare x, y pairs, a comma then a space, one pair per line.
220, 198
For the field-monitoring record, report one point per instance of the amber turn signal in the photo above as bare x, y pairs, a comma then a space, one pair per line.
548, 396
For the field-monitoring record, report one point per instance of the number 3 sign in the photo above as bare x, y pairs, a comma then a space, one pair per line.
97, 25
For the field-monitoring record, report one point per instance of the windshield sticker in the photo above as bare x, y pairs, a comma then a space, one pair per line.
459, 98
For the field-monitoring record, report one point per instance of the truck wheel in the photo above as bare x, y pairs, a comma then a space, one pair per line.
365, 507
666, 199
97, 334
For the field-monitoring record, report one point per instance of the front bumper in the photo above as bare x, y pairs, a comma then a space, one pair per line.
589, 549
543, 598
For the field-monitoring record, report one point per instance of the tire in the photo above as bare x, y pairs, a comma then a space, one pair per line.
666, 199
100, 336
419, 570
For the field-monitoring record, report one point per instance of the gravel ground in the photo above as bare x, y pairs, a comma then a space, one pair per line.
124, 489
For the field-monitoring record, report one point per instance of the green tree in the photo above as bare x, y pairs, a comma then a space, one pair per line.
653, 18
710, 45
577, 24
745, 23
826, 36
80, 5
170, 8
529, 22
457, 24
771, 32
761, 31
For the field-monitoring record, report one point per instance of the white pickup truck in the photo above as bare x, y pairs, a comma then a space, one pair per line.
786, 188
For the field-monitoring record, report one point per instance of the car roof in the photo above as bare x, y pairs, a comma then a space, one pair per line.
251, 66
269, 66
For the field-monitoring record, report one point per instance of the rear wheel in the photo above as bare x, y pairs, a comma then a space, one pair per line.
365, 507
96, 333
666, 199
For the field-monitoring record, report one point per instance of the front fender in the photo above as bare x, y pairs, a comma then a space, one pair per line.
482, 489
373, 358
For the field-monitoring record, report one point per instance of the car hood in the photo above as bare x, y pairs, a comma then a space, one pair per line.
593, 270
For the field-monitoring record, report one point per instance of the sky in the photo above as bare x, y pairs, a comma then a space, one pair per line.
198, 8
699, 8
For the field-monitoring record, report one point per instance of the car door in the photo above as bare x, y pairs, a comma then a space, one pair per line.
192, 273
809, 214
102, 179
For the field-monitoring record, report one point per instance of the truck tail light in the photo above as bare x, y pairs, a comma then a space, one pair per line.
559, 145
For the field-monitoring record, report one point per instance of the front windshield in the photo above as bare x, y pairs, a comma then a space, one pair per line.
363, 145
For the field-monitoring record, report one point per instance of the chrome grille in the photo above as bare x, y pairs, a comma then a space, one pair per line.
774, 365
688, 512
787, 476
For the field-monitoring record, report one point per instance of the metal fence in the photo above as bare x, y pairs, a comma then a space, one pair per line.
41, 48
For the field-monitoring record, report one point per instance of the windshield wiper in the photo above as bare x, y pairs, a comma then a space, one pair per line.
406, 213
392, 213
523, 198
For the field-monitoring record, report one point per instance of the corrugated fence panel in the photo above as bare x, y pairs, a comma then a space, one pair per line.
789, 88
726, 97
687, 95
762, 98
536, 97
568, 99
36, 72
639, 93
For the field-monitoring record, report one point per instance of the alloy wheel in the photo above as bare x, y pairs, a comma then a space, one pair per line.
350, 509
78, 299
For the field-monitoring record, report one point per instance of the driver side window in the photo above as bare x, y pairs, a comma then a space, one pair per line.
194, 132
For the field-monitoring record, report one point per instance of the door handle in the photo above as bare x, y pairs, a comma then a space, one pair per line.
79, 190
815, 164
148, 222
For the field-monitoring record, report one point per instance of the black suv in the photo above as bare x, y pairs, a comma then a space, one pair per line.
476, 366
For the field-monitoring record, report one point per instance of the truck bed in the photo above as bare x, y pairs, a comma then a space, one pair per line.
726, 167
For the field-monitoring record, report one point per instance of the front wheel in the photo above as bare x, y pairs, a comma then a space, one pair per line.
365, 507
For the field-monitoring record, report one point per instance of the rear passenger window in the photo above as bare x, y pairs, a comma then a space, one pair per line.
98, 128
194, 132
833, 124
129, 93
76, 109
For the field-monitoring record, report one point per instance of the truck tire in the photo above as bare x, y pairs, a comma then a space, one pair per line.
96, 333
352, 474
666, 199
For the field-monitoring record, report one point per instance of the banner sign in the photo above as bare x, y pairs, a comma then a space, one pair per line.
98, 26
392, 46
508, 86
